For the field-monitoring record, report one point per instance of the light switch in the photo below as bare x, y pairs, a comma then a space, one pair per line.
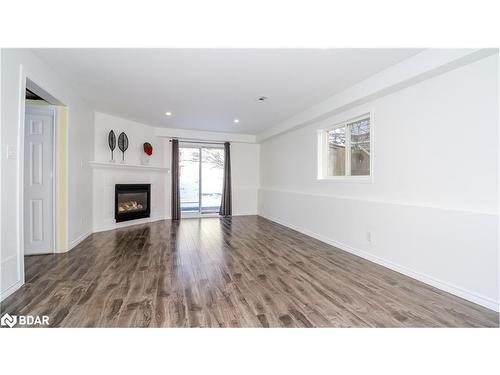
11, 152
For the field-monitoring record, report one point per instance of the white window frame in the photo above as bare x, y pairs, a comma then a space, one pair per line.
322, 174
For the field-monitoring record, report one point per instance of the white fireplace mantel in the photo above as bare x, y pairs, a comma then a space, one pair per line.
118, 165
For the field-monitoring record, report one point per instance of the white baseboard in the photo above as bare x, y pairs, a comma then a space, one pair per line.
75, 242
7, 292
245, 214
129, 224
440, 284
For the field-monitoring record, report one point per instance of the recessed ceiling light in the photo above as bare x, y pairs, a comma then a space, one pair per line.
168, 113
236, 120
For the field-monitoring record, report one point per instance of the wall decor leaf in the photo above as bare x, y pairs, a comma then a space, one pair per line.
112, 142
123, 143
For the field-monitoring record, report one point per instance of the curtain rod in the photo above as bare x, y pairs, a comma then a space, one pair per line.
206, 142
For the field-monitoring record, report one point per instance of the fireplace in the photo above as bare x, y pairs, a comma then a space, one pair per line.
132, 201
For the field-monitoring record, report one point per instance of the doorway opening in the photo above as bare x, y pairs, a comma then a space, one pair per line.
201, 178
43, 177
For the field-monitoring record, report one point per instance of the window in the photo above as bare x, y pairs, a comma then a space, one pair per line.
201, 178
344, 150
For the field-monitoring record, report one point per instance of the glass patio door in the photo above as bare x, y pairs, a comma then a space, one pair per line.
201, 178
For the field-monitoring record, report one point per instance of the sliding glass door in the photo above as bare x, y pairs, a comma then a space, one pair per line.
211, 179
189, 178
201, 178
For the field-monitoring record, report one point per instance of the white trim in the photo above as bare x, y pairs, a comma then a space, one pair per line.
4, 262
357, 179
129, 223
1, 174
347, 150
20, 174
55, 177
190, 144
78, 240
99, 164
200, 180
252, 213
66, 182
11, 289
198, 215
213, 215
322, 168
363, 199
440, 284
204, 136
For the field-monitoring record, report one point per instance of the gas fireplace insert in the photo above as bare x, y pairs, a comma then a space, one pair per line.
132, 201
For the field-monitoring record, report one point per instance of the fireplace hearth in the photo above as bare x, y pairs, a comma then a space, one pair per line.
132, 201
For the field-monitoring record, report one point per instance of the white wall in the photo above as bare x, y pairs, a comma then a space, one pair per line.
137, 134
432, 209
245, 177
245, 164
244, 159
15, 63
106, 178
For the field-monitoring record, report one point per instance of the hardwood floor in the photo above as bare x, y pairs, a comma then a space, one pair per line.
237, 272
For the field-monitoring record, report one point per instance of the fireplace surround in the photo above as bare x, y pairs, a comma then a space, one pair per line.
132, 201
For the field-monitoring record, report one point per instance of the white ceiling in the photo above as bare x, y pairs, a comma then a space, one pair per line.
206, 89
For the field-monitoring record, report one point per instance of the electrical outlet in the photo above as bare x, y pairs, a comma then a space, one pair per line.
11, 152
368, 237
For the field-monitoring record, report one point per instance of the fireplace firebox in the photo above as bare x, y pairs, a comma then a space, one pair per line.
132, 201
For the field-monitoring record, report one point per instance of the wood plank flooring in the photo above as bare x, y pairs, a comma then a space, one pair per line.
235, 272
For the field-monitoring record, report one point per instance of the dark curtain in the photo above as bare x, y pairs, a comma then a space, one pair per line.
176, 199
225, 206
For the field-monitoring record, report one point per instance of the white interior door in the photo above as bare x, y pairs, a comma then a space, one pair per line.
38, 180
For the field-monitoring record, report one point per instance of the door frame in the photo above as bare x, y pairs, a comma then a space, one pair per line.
27, 83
